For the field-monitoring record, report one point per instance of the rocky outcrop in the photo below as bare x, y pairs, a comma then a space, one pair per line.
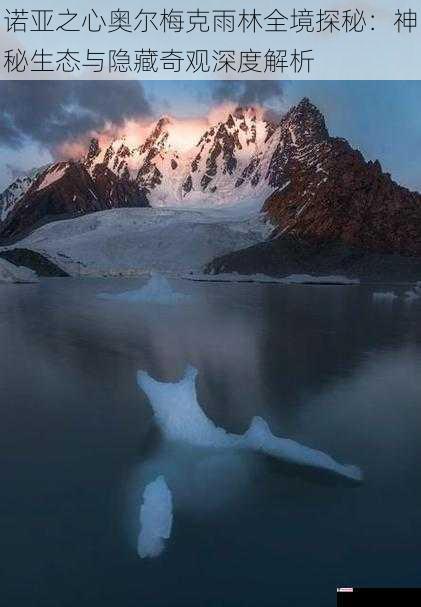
332, 211
32, 260
331, 194
281, 257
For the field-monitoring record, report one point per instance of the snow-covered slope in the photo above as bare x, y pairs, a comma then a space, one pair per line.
133, 241
16, 191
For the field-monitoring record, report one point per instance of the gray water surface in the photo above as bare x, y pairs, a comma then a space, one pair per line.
324, 365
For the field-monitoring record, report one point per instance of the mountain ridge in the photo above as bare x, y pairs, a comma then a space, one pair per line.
150, 171
309, 185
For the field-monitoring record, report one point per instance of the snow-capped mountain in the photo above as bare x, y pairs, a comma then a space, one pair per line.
16, 191
65, 189
228, 164
309, 184
227, 160
214, 171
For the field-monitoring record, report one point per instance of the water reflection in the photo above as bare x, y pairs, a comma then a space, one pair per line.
324, 365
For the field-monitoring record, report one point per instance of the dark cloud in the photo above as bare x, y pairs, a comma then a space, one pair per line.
52, 112
248, 92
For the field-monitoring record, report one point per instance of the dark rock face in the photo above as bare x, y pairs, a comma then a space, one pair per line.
32, 260
188, 184
288, 255
328, 192
113, 191
66, 189
332, 211
62, 188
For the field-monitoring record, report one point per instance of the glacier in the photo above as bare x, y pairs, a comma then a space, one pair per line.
181, 419
156, 517
133, 241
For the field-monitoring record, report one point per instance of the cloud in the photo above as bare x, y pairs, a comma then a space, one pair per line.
52, 112
248, 92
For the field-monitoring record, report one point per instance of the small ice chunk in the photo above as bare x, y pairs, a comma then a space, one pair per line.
180, 418
414, 294
385, 296
17, 274
156, 290
156, 516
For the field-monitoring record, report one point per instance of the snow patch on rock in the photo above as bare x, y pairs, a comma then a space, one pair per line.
15, 192
52, 176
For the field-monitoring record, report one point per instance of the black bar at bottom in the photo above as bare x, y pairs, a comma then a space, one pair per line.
369, 597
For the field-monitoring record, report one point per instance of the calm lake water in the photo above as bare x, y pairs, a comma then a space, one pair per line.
324, 365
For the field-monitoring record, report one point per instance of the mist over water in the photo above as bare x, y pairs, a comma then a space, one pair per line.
326, 366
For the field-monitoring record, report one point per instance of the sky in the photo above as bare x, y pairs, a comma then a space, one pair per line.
39, 119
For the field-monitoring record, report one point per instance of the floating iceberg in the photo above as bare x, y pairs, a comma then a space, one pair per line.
155, 519
180, 418
18, 274
385, 296
156, 290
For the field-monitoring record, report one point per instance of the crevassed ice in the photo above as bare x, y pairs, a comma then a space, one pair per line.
180, 418
156, 516
156, 290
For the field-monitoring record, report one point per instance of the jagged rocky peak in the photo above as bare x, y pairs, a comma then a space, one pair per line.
242, 115
240, 129
306, 123
94, 149
243, 155
159, 134
163, 123
243, 112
